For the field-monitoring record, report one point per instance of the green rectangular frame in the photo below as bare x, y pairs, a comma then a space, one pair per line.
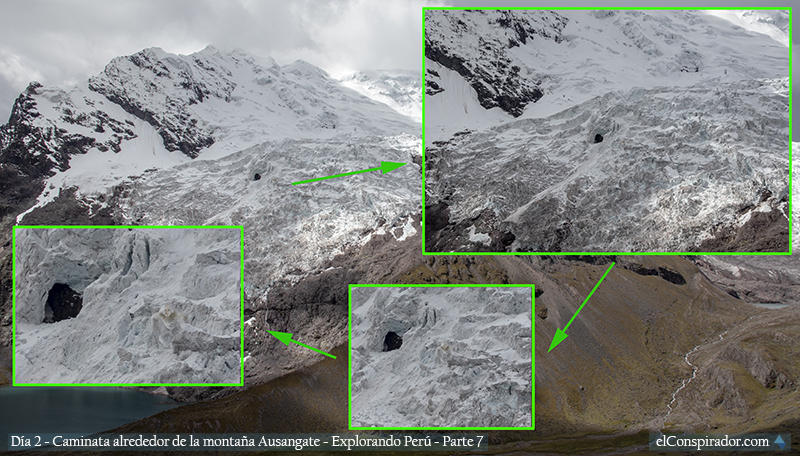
489, 285
425, 252
14, 301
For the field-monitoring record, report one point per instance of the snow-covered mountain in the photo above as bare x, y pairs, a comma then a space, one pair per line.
774, 23
535, 63
400, 89
155, 109
218, 138
605, 131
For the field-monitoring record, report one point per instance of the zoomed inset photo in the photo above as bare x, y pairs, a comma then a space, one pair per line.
608, 131
441, 357
127, 306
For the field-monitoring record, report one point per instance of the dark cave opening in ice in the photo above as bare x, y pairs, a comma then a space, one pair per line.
62, 303
598, 138
392, 341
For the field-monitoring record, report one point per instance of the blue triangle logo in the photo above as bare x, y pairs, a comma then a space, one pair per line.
779, 441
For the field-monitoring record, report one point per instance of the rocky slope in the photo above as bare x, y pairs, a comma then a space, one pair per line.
662, 132
746, 380
755, 279
760, 279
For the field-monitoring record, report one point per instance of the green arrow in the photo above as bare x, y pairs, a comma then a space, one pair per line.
287, 337
561, 333
384, 168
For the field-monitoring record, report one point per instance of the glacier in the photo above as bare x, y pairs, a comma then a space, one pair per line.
290, 230
692, 113
657, 182
216, 138
159, 306
465, 359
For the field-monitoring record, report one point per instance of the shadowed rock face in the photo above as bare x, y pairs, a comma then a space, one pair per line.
494, 76
62, 303
668, 274
763, 232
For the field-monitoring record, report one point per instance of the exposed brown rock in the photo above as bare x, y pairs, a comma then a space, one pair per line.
763, 232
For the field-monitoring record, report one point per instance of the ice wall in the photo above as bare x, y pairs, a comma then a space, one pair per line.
159, 306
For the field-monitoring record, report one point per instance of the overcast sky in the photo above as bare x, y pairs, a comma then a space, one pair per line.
58, 42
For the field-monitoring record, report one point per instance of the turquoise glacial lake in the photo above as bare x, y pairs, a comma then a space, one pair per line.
73, 409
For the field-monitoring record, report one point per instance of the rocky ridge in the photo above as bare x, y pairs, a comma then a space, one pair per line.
485, 61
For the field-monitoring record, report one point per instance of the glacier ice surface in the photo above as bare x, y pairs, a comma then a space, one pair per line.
159, 306
465, 358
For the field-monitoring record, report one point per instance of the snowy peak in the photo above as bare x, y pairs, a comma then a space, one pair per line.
533, 63
161, 88
197, 100
400, 89
302, 68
